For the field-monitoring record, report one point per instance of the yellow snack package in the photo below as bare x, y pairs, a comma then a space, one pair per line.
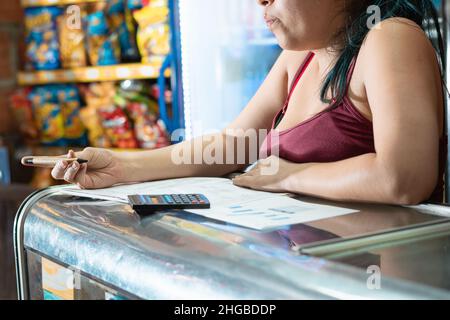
153, 31
48, 116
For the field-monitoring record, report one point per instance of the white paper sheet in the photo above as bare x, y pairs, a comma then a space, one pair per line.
229, 203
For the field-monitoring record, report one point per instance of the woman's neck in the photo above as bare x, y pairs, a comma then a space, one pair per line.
325, 59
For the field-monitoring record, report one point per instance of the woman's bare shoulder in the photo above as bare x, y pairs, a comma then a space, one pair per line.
396, 35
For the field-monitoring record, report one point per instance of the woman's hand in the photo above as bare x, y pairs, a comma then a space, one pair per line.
103, 169
271, 174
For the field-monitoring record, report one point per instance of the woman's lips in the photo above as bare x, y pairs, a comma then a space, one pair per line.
270, 21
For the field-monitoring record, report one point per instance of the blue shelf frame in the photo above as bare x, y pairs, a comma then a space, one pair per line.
177, 121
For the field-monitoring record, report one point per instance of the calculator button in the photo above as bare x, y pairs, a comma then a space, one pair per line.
161, 199
155, 200
143, 199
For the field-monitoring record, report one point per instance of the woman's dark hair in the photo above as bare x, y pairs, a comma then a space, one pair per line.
422, 12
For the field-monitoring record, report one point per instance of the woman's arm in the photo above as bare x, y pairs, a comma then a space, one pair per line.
258, 115
403, 86
106, 168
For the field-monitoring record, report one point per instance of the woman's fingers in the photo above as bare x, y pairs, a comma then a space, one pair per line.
81, 177
243, 180
61, 167
71, 172
59, 170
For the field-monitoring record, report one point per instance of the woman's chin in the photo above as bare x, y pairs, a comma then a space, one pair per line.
283, 40
290, 44
284, 44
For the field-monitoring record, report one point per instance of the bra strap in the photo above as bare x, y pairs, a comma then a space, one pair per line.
297, 78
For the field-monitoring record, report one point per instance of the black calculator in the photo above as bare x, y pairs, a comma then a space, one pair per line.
148, 204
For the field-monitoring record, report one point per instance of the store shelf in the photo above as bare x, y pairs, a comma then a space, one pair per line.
39, 3
92, 74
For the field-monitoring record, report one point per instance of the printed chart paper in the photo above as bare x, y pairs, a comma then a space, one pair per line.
248, 208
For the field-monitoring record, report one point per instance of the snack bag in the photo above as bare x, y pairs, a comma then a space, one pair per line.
69, 101
103, 47
133, 97
96, 95
23, 115
135, 91
153, 31
71, 40
149, 132
42, 51
117, 12
114, 123
97, 137
100, 94
47, 113
117, 127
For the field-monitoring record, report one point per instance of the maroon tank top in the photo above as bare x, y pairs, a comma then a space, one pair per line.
339, 132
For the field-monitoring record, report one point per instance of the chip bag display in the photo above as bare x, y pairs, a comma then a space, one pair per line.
56, 110
42, 47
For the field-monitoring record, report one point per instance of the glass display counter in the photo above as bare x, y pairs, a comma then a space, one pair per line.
78, 248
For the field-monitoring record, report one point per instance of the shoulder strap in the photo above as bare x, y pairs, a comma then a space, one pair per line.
297, 78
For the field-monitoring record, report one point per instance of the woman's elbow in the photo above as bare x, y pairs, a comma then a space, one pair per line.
410, 189
407, 198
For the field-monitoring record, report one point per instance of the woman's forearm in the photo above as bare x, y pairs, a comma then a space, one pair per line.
363, 179
205, 156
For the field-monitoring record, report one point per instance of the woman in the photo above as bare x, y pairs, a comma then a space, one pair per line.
362, 110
